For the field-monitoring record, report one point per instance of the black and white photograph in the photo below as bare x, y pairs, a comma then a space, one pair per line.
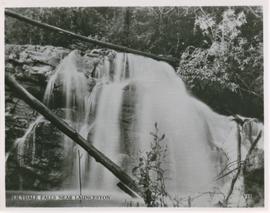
134, 106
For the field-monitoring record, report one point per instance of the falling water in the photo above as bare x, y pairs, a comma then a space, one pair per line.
78, 101
19, 144
164, 99
107, 124
151, 92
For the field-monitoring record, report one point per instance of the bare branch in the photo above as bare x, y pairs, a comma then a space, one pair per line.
239, 165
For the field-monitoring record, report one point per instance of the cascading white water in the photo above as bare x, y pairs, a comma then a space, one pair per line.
79, 103
160, 97
164, 99
19, 144
107, 124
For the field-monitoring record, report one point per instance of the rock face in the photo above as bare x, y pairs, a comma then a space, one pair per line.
253, 171
45, 162
32, 66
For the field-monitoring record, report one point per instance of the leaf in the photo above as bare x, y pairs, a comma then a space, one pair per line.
154, 135
162, 137
156, 125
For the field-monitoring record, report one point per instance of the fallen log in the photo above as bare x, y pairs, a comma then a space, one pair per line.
173, 61
23, 94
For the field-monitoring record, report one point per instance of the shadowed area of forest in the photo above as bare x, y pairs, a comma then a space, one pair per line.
220, 49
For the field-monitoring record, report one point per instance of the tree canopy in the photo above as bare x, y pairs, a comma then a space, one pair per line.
220, 49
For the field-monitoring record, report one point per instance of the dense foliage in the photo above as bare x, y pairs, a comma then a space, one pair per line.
220, 48
228, 71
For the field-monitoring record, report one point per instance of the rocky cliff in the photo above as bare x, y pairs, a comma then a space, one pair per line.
46, 167
32, 66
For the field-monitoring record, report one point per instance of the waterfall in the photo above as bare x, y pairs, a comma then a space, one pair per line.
130, 94
107, 125
19, 144
164, 99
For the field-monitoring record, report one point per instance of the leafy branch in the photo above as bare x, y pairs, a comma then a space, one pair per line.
149, 173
